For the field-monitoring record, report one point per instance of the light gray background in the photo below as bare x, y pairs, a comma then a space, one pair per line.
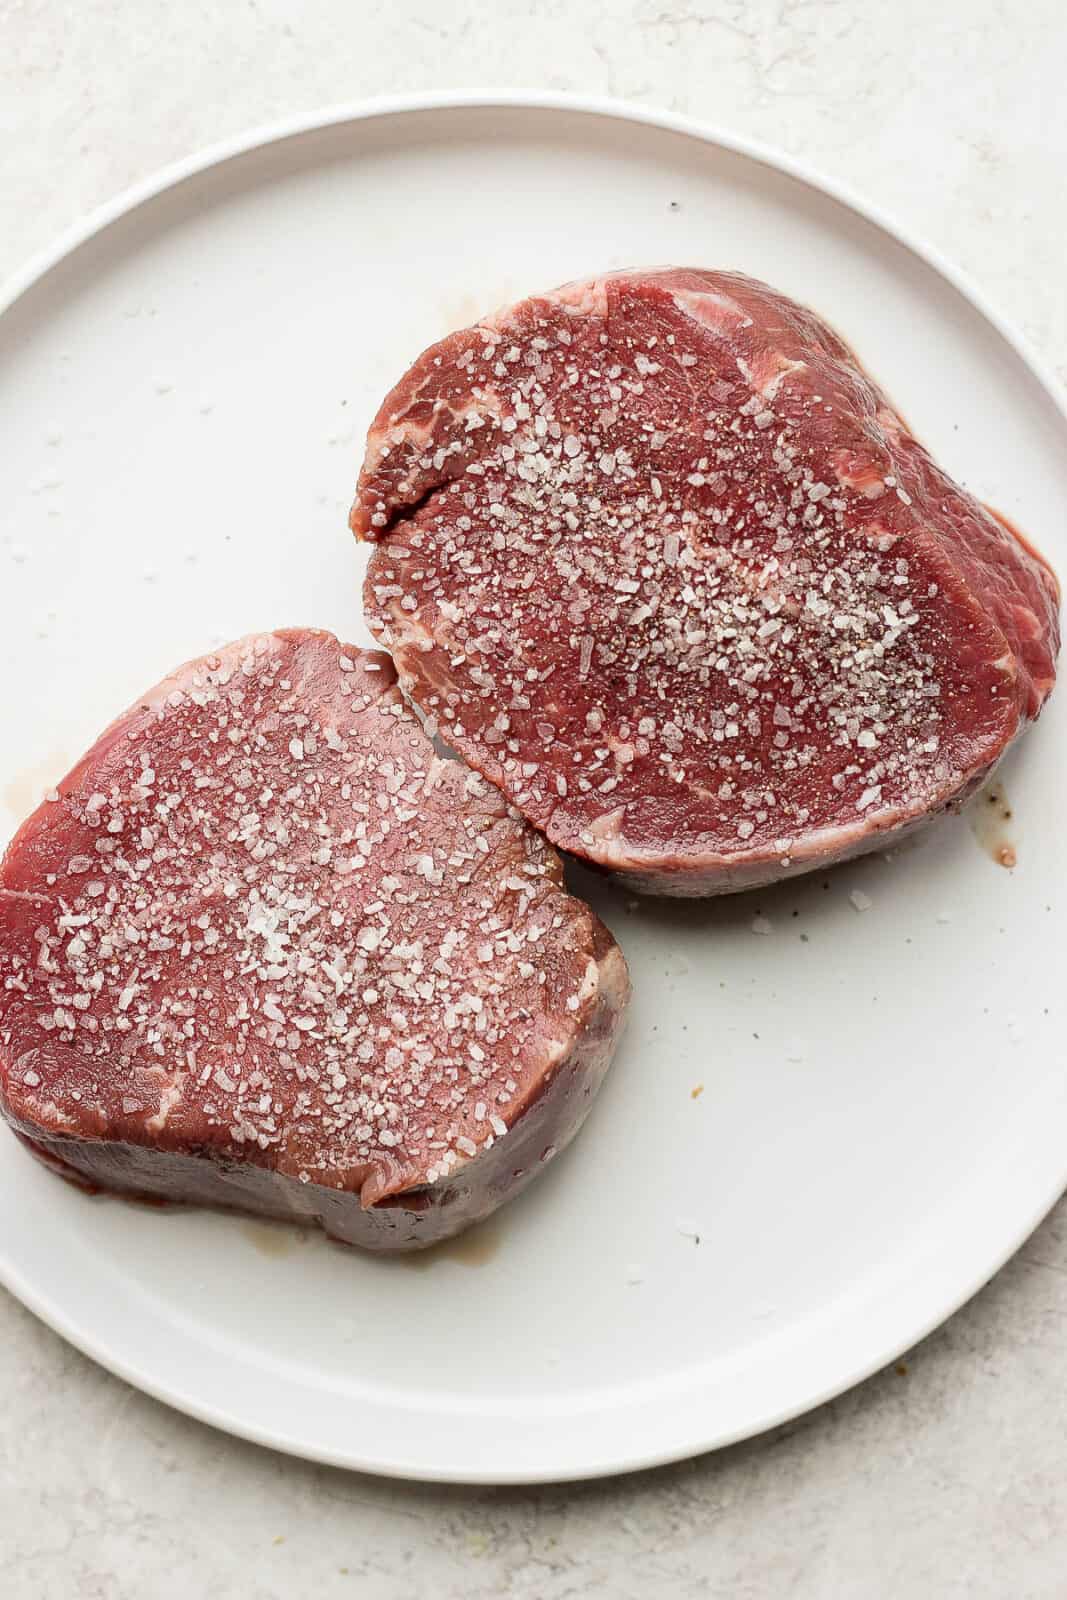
944, 1477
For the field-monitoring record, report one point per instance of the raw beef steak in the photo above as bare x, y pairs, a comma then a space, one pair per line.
663, 563
264, 949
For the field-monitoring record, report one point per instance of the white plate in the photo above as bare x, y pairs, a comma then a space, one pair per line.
183, 391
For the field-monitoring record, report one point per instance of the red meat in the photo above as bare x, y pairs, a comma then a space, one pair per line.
264, 949
659, 559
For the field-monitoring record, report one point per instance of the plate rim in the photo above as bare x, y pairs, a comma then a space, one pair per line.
217, 154
220, 151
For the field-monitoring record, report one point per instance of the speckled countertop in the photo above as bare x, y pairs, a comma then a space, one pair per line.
942, 1477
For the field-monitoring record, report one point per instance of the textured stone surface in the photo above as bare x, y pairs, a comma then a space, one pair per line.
946, 1480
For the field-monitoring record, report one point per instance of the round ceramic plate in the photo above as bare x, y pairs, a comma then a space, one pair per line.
839, 1105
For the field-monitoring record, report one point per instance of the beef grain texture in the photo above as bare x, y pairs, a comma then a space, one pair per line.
263, 949
663, 563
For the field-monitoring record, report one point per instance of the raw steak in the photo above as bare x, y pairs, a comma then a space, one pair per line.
264, 949
663, 563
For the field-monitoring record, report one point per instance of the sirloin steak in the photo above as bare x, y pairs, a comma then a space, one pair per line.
263, 949
661, 561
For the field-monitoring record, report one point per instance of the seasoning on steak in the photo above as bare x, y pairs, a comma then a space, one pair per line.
263, 949
661, 561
